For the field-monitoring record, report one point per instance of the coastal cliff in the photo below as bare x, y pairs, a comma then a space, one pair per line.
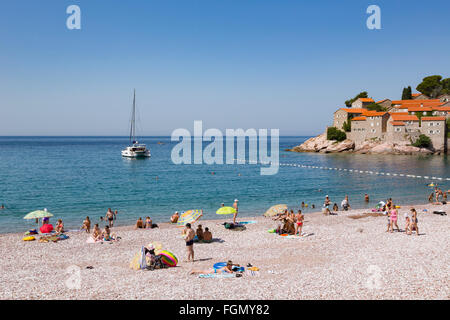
322, 145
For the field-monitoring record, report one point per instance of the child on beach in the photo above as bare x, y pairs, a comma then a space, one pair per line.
59, 228
86, 225
414, 221
335, 207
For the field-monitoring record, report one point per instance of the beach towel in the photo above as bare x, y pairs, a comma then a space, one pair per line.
248, 222
217, 275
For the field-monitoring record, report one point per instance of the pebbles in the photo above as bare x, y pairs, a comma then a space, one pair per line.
334, 263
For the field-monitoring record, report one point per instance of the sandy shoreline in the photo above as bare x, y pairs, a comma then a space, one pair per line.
344, 258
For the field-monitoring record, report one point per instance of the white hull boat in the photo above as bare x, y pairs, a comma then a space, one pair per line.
136, 149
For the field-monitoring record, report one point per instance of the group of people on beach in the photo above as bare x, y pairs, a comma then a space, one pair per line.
291, 223
411, 221
438, 195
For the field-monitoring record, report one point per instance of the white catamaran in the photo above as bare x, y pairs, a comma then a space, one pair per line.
135, 150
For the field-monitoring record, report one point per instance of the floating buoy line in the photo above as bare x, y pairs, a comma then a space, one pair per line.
380, 173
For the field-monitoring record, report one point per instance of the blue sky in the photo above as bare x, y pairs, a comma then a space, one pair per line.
231, 63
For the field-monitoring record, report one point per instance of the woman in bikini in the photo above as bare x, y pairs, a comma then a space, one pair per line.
299, 222
148, 223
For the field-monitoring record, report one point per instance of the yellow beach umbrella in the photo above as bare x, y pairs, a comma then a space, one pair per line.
226, 210
276, 209
189, 216
38, 214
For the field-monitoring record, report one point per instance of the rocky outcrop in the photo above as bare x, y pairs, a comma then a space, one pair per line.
321, 144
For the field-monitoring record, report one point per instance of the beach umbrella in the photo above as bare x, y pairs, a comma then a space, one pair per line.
38, 214
189, 216
226, 210
276, 209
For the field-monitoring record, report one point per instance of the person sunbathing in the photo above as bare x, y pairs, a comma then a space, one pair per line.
174, 217
207, 235
96, 233
227, 269
148, 223
139, 224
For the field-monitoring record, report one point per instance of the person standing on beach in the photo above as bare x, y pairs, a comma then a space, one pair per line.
345, 204
189, 235
110, 217
414, 221
86, 225
235, 206
299, 222
393, 219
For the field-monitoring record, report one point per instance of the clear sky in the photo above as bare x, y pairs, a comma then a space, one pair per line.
231, 63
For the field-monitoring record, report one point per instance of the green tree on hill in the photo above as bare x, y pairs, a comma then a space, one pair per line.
433, 86
334, 133
363, 94
422, 142
375, 107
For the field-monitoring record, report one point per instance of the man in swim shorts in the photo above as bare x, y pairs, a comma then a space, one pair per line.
110, 217
189, 235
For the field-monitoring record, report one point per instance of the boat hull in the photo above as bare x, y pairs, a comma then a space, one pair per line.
130, 154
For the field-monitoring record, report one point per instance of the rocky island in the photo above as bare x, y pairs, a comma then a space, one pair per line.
419, 123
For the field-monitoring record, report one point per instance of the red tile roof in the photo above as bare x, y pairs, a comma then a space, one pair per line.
359, 119
354, 110
374, 113
366, 99
419, 109
433, 118
403, 117
397, 123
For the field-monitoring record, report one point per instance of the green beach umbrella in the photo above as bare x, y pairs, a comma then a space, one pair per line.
276, 209
38, 214
226, 210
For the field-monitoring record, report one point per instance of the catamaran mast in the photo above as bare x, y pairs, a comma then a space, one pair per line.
133, 120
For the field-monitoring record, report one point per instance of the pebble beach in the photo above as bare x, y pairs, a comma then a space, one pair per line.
339, 258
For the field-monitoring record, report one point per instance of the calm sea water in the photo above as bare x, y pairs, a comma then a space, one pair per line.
74, 177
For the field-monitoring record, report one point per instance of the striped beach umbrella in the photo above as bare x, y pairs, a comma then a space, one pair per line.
189, 216
226, 210
276, 209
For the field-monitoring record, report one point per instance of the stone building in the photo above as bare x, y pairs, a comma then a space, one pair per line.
362, 102
405, 121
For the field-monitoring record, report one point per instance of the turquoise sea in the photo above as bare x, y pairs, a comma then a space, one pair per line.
74, 177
